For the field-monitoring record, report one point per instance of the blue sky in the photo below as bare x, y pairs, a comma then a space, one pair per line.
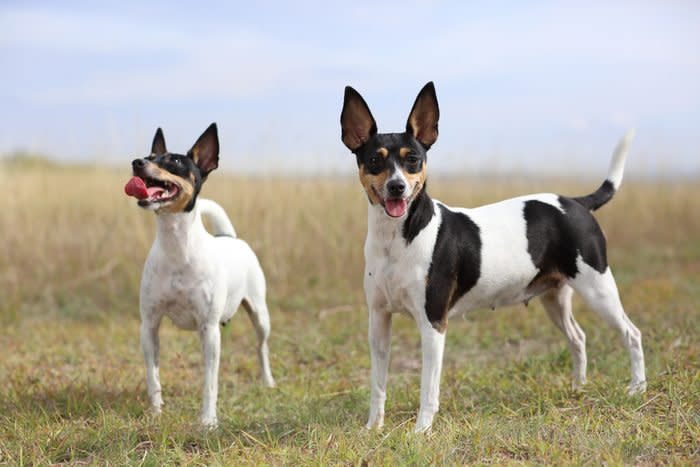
524, 86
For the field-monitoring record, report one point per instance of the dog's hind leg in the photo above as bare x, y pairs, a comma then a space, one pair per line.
600, 293
260, 317
557, 303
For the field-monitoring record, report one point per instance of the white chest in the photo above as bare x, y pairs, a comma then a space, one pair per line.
396, 272
184, 292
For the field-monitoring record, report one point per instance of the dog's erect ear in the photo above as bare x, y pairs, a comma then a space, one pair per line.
205, 152
423, 120
158, 146
356, 120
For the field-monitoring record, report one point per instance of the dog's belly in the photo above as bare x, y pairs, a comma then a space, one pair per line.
181, 314
484, 297
500, 284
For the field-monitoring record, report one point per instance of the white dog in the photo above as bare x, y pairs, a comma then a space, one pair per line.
196, 279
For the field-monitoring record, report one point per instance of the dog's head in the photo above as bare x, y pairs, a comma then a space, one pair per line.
168, 182
392, 166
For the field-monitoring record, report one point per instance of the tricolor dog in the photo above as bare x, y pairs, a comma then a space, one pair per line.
196, 279
434, 262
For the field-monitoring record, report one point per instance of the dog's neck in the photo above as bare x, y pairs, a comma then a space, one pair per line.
420, 211
178, 233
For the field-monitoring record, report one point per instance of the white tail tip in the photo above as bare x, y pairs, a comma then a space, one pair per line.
617, 164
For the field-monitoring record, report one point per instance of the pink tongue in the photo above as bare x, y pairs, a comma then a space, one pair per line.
395, 207
136, 188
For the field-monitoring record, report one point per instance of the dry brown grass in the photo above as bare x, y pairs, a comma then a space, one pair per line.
69, 233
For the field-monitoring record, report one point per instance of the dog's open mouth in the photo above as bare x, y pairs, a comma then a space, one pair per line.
150, 190
395, 207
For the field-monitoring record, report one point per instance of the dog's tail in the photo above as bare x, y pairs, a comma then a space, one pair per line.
612, 183
217, 218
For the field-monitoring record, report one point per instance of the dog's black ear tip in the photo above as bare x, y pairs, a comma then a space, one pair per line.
158, 144
212, 132
350, 91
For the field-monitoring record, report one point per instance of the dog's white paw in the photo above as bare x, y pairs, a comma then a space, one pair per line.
269, 382
422, 428
375, 421
578, 385
424, 422
156, 407
209, 422
637, 388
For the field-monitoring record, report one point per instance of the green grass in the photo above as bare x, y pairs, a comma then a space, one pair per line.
73, 380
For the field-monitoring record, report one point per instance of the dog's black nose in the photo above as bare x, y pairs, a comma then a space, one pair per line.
138, 163
396, 188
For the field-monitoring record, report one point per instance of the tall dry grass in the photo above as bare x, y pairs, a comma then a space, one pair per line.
72, 241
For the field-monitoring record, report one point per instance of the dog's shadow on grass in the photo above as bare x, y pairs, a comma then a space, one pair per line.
72, 401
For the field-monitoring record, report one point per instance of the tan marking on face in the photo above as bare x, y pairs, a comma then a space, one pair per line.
184, 196
416, 180
372, 183
403, 152
384, 152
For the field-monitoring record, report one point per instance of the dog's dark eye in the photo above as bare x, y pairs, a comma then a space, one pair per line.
412, 160
179, 163
374, 160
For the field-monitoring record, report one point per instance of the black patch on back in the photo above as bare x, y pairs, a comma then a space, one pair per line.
555, 238
419, 215
456, 264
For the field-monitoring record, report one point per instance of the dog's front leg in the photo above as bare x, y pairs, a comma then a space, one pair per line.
379, 349
150, 345
432, 347
211, 347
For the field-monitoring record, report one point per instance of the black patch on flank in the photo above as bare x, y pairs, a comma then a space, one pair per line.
598, 198
555, 238
455, 266
419, 215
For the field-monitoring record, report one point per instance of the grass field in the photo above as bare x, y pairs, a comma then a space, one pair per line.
72, 378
